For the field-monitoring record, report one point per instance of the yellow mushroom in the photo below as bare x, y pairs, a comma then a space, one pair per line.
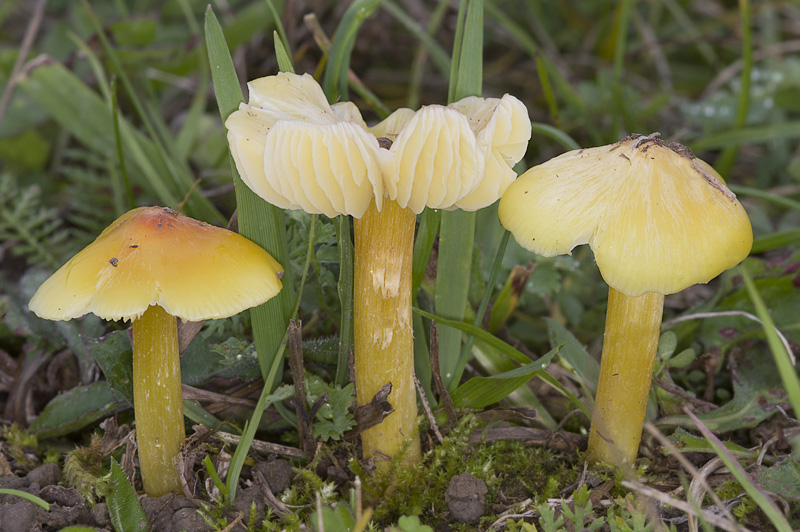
658, 220
150, 266
297, 151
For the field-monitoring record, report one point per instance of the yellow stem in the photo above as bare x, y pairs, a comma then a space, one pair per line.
626, 368
383, 335
158, 404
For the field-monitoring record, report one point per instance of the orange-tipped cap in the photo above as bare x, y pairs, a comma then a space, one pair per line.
155, 256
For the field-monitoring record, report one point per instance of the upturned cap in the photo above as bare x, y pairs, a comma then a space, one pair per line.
298, 152
156, 256
657, 218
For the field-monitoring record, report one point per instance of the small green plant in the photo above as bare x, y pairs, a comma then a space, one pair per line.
580, 510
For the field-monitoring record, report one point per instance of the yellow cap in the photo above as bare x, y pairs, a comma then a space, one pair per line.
155, 256
657, 218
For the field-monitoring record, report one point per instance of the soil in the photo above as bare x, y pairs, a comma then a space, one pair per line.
465, 498
170, 513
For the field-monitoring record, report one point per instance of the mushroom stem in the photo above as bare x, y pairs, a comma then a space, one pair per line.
383, 334
158, 404
626, 368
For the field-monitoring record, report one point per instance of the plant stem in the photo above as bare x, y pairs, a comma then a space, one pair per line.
158, 405
384, 343
626, 368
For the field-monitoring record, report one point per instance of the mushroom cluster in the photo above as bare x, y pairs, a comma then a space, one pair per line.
296, 151
658, 220
152, 266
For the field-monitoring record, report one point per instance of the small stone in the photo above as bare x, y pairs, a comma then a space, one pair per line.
66, 497
277, 473
17, 516
189, 519
247, 496
100, 514
45, 475
465, 498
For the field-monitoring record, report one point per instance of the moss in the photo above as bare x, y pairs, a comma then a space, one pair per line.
511, 471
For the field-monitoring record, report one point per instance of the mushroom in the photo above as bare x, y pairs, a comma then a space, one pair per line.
150, 266
658, 220
297, 151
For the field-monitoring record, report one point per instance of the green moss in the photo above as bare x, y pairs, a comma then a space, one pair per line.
509, 467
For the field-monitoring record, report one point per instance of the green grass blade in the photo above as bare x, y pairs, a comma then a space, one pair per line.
284, 59
466, 73
417, 71
120, 150
423, 245
281, 33
745, 480
480, 392
621, 38
345, 289
764, 195
456, 240
728, 156
547, 89
779, 353
335, 80
249, 432
81, 112
553, 133
258, 220
27, 496
487, 294
438, 54
775, 241
563, 87
490, 339
457, 228
747, 135
182, 181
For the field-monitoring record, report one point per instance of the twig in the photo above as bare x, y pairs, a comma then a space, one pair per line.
680, 392
295, 335
664, 498
276, 504
190, 392
441, 389
27, 42
262, 446
697, 476
427, 407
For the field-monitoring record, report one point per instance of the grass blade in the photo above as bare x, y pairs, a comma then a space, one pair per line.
728, 155
335, 80
480, 392
745, 480
345, 289
457, 229
284, 59
258, 220
776, 346
438, 54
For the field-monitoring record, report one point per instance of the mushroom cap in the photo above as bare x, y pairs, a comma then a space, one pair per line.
458, 156
298, 152
155, 256
657, 218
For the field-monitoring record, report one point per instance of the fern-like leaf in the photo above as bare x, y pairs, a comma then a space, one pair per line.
34, 230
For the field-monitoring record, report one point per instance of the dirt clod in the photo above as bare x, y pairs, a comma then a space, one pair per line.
45, 475
465, 498
277, 473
